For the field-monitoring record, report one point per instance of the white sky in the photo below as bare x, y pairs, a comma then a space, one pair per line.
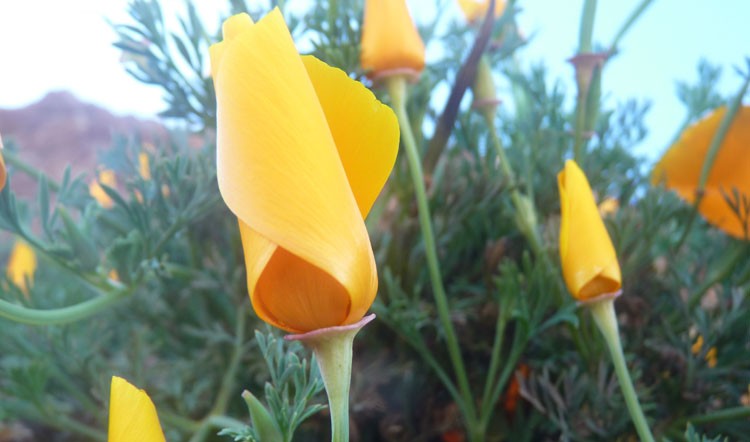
67, 44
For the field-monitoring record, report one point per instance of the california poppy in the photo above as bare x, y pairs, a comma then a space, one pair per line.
589, 262
680, 169
390, 41
132, 415
303, 152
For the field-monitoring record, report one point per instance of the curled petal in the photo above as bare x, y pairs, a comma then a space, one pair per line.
680, 168
132, 415
279, 171
589, 262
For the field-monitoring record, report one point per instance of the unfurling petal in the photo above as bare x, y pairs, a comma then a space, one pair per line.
390, 40
299, 196
132, 415
589, 262
680, 169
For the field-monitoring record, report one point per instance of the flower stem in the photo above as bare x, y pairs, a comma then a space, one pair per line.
587, 26
333, 352
397, 90
64, 315
604, 316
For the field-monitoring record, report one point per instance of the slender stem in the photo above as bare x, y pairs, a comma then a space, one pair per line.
397, 90
63, 315
28, 169
525, 212
497, 348
587, 26
227, 383
604, 316
632, 18
721, 415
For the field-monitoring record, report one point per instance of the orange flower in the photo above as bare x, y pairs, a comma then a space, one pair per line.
680, 169
132, 415
475, 9
303, 152
589, 262
390, 41
106, 177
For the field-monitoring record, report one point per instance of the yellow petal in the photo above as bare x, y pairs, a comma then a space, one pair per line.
680, 168
365, 130
232, 27
475, 9
106, 177
144, 168
389, 38
132, 415
21, 265
279, 171
589, 262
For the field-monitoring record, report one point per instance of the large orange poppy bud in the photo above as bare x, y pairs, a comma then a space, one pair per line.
303, 151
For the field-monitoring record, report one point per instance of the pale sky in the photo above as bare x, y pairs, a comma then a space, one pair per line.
52, 44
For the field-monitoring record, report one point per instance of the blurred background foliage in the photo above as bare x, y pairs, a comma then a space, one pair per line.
164, 259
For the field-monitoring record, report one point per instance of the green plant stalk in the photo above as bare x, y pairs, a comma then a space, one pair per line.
13, 159
397, 91
332, 347
587, 26
497, 348
713, 152
64, 315
632, 18
525, 212
727, 414
604, 317
227, 382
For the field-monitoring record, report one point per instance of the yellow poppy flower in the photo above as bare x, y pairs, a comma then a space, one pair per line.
132, 415
144, 168
589, 262
680, 168
390, 41
609, 206
475, 9
302, 153
21, 265
106, 177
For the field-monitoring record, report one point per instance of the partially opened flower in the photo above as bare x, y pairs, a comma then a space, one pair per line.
144, 166
589, 262
303, 151
475, 9
132, 415
106, 177
21, 266
680, 169
391, 44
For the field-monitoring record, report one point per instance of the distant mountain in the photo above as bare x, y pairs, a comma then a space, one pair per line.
60, 129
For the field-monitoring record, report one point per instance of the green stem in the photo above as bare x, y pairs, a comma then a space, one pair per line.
587, 26
333, 352
604, 316
227, 383
64, 315
525, 212
497, 348
397, 90
13, 159
728, 414
632, 18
